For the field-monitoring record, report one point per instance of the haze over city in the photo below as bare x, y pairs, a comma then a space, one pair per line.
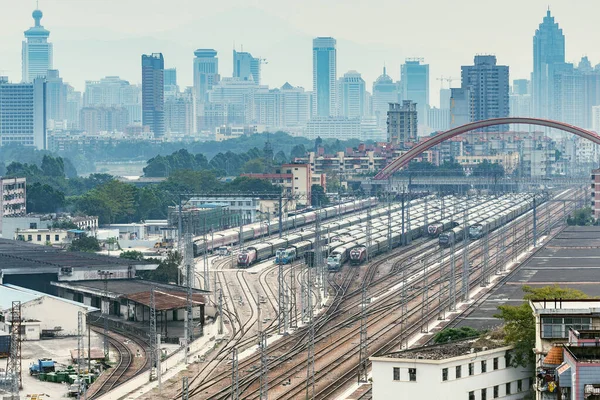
97, 38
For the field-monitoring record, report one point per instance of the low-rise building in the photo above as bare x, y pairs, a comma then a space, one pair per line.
509, 161
296, 180
13, 198
44, 236
474, 369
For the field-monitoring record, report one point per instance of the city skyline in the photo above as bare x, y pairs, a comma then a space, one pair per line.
288, 54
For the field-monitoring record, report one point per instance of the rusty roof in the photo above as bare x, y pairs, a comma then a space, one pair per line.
166, 300
554, 356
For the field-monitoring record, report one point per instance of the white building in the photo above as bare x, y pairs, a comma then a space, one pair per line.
352, 95
23, 113
36, 51
44, 314
206, 73
341, 128
113, 91
465, 370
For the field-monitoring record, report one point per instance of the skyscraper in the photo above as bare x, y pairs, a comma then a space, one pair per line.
171, 88
385, 91
324, 76
153, 93
352, 95
414, 85
206, 73
23, 113
548, 53
489, 88
56, 97
245, 66
36, 50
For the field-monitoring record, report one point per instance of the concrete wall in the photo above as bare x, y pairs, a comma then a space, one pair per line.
53, 313
429, 383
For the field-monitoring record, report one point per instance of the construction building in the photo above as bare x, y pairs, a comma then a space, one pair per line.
402, 123
474, 369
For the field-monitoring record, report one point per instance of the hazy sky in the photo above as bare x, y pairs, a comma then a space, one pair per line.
95, 38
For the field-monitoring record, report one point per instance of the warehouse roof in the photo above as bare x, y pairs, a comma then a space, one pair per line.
449, 350
166, 296
19, 254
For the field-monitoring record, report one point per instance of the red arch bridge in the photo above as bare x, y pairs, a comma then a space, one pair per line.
404, 159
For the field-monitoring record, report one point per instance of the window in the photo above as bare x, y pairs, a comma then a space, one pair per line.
29, 238
519, 385
483, 394
458, 371
495, 363
445, 374
56, 239
47, 238
412, 374
507, 359
471, 395
508, 388
471, 369
483, 366
559, 327
496, 391
396, 373
39, 238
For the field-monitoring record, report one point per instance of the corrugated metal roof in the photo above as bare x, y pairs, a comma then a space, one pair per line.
166, 300
8, 295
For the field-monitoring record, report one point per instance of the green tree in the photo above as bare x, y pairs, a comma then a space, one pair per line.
519, 322
186, 181
581, 217
318, 198
132, 255
297, 151
167, 270
44, 199
66, 224
254, 166
112, 201
451, 334
53, 166
85, 243
488, 169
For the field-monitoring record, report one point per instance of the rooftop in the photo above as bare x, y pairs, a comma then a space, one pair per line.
166, 296
588, 354
449, 350
18, 254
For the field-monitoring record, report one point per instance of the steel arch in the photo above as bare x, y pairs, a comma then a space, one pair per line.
404, 159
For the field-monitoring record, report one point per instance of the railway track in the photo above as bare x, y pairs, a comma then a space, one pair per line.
124, 370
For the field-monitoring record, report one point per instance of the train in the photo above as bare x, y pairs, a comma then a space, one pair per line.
358, 255
258, 230
484, 221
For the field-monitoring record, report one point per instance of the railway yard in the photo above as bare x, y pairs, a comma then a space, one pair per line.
385, 277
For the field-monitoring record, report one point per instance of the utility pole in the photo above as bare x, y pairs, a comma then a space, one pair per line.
80, 353
368, 233
409, 235
293, 307
310, 369
452, 287
105, 307
190, 274
235, 377
185, 395
485, 279
534, 222
221, 316
264, 368
465, 255
13, 367
404, 309
158, 356
280, 215
364, 356
204, 258
281, 299
153, 344
403, 230
389, 222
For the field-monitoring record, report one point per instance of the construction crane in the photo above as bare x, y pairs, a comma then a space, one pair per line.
448, 79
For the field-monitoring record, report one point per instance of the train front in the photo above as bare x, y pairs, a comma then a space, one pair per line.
243, 259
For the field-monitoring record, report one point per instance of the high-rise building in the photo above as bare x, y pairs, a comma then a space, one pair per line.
94, 120
179, 114
36, 50
489, 87
153, 89
445, 95
206, 73
414, 85
461, 106
402, 123
521, 86
520, 98
56, 97
385, 91
74, 105
548, 52
324, 76
171, 88
23, 113
296, 105
352, 95
245, 66
113, 91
